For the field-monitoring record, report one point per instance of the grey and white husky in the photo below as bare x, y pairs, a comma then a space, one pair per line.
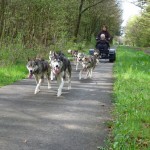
60, 69
79, 59
39, 68
88, 65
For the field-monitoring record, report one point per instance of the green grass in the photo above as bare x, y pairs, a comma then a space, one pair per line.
131, 129
10, 74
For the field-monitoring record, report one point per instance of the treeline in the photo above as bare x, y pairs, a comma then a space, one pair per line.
138, 28
55, 22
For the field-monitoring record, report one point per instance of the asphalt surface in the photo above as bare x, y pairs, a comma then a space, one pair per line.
74, 121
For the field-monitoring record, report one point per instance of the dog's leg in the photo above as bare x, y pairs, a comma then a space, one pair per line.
60, 81
52, 76
91, 71
69, 81
80, 74
87, 74
74, 60
48, 81
36, 79
97, 61
49, 84
37, 89
77, 64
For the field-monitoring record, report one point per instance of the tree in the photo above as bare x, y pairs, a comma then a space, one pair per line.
2, 11
138, 29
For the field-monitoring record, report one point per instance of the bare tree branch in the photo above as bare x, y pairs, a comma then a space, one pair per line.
91, 6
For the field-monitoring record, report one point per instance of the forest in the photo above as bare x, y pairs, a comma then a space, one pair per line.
53, 24
60, 24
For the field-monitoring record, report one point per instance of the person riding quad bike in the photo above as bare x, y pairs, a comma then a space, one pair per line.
102, 45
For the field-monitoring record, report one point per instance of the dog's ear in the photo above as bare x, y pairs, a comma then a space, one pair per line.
55, 54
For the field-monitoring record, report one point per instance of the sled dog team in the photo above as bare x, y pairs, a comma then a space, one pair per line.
59, 67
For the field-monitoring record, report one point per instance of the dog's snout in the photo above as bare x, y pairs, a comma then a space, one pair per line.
57, 66
31, 71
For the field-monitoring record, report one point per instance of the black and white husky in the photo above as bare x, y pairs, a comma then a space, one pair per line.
88, 65
60, 69
39, 68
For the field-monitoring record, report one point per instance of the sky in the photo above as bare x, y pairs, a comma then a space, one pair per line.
129, 10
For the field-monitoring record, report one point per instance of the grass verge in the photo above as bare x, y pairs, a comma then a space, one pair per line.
10, 74
131, 128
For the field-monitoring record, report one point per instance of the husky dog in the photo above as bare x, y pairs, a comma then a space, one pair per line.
88, 65
60, 67
79, 59
96, 55
39, 68
74, 54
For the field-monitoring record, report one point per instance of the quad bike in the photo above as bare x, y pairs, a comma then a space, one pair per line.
110, 54
105, 52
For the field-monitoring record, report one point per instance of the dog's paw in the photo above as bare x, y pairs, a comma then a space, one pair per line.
49, 87
69, 87
59, 92
36, 91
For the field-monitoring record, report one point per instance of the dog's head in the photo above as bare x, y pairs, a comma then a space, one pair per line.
56, 66
80, 56
96, 53
86, 59
32, 66
55, 62
85, 62
74, 53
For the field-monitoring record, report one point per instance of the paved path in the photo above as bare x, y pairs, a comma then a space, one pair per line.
74, 121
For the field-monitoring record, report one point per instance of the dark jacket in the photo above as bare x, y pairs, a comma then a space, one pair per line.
106, 33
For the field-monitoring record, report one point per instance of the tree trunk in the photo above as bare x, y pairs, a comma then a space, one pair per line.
78, 21
2, 11
81, 11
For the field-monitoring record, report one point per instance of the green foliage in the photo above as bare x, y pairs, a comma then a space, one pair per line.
132, 105
138, 29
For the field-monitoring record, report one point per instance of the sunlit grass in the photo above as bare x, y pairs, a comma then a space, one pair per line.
10, 74
132, 100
